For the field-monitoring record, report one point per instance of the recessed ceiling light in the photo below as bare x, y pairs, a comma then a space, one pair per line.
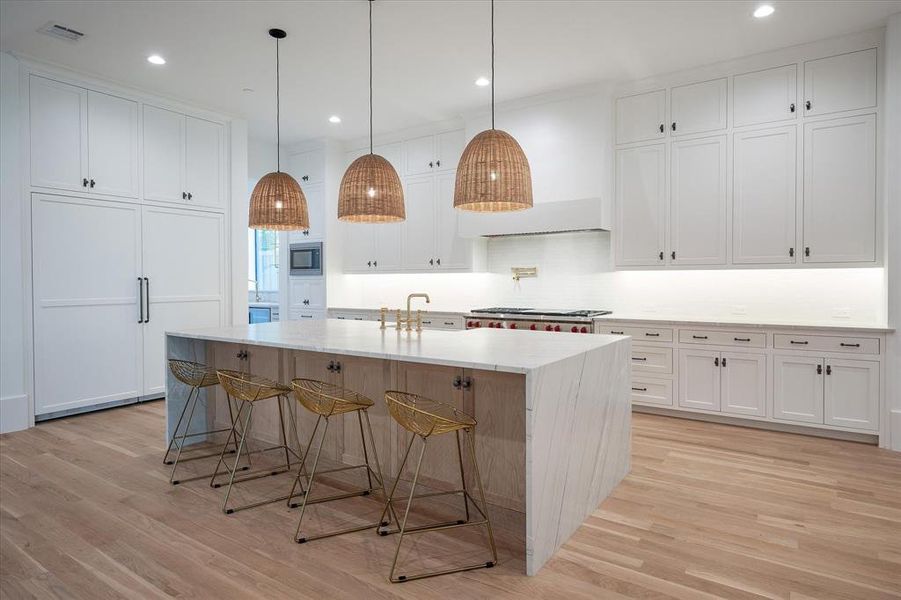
334, 119
764, 10
156, 59
483, 81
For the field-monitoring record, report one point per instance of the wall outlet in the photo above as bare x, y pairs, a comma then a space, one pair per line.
740, 310
842, 312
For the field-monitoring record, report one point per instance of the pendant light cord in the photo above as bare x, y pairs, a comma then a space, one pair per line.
370, 76
278, 133
492, 64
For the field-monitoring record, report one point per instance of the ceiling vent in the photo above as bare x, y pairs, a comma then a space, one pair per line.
61, 31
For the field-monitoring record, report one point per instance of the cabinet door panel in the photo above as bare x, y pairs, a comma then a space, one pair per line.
183, 260
763, 197
699, 379
744, 383
765, 96
449, 148
315, 195
698, 107
389, 237
798, 389
314, 365
204, 145
852, 394
306, 293
842, 82
164, 155
451, 251
840, 190
87, 340
698, 202
309, 164
359, 246
419, 228
58, 134
370, 377
420, 155
113, 145
640, 117
640, 205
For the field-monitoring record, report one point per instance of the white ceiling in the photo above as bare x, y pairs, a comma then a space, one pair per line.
427, 53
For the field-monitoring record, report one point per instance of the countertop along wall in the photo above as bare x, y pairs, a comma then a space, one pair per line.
575, 271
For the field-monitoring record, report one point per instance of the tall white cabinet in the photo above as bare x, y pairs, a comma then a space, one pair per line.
775, 166
129, 233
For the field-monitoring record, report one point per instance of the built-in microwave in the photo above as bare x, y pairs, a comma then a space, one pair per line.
305, 259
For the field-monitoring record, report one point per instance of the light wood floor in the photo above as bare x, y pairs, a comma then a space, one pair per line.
708, 511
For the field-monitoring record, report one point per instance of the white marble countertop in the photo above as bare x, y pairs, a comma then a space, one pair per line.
821, 324
489, 349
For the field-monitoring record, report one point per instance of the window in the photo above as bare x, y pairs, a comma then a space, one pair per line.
262, 260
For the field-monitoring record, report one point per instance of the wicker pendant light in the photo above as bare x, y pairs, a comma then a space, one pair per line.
370, 190
493, 174
277, 202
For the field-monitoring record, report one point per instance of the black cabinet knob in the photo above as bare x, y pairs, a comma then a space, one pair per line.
190, 195
431, 164
673, 255
437, 163
432, 261
92, 184
791, 107
674, 126
807, 105
84, 182
662, 128
184, 195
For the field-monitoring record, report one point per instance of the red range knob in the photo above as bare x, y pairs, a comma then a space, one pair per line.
584, 330
575, 329
490, 324
548, 328
532, 327
556, 328
499, 325
512, 325
478, 323
469, 324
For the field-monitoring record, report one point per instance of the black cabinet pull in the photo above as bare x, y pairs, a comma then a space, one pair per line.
828, 369
190, 195
437, 163
432, 261
331, 366
184, 195
635, 389
819, 369
807, 105
305, 178
449, 323
147, 293
141, 299
652, 334
467, 383
375, 263
438, 261
661, 255
616, 332
642, 358
699, 337
716, 361
674, 125
431, 164
742, 339
369, 264
804, 343
791, 107
84, 182
673, 255
92, 184
791, 252
724, 362
806, 250
662, 128
844, 345
458, 381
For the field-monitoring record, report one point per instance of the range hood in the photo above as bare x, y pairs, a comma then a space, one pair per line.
549, 217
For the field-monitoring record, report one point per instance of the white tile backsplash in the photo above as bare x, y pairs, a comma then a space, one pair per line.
575, 271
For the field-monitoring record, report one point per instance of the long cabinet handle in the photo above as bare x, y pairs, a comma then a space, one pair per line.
844, 345
141, 299
639, 358
742, 339
699, 337
147, 293
638, 389
798, 343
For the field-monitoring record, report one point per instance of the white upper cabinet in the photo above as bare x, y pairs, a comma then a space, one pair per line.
420, 154
765, 96
698, 107
763, 196
641, 117
840, 190
82, 140
451, 251
419, 229
640, 205
315, 195
843, 82
184, 159
449, 146
112, 145
698, 202
852, 393
164, 155
58, 134
307, 167
204, 169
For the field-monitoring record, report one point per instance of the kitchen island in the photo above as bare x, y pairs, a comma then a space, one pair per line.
553, 411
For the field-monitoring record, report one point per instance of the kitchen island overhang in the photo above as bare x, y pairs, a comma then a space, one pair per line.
554, 414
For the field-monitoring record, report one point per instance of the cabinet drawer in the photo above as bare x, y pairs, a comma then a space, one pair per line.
442, 322
722, 338
652, 360
652, 391
827, 343
644, 334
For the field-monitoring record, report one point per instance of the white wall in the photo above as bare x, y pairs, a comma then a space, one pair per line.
14, 413
574, 272
893, 223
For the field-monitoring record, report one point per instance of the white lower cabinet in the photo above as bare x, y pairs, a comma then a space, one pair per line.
699, 373
798, 388
306, 293
743, 384
652, 391
851, 394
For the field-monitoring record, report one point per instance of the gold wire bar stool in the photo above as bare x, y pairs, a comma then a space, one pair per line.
248, 390
197, 376
425, 418
326, 401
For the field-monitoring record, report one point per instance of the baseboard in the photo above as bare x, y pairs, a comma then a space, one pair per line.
849, 436
14, 413
895, 429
